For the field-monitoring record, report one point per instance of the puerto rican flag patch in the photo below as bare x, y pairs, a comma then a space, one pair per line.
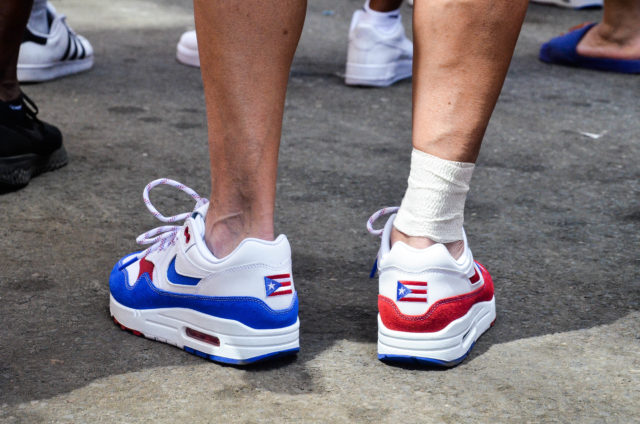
412, 291
278, 285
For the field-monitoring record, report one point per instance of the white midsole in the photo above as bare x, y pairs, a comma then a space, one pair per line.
237, 341
47, 71
187, 56
448, 344
378, 75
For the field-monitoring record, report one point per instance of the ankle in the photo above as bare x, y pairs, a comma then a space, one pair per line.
223, 233
383, 6
455, 248
9, 91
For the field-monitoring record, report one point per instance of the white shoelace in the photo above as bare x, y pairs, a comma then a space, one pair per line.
384, 211
373, 218
164, 236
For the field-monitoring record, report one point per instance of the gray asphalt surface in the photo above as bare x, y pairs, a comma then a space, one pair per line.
553, 213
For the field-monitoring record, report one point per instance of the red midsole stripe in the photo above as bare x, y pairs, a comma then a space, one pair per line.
282, 292
414, 283
207, 338
274, 277
412, 299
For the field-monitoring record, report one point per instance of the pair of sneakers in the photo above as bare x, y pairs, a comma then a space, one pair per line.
243, 308
376, 57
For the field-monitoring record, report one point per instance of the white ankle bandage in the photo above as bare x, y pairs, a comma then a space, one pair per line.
433, 205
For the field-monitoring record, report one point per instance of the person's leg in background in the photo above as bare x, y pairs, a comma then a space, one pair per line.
611, 45
13, 20
28, 146
224, 265
379, 52
434, 300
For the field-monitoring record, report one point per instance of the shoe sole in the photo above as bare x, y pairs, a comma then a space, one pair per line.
217, 339
378, 75
17, 171
445, 348
187, 56
46, 72
575, 4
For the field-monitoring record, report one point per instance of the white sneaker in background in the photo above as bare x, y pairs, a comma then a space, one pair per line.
60, 52
187, 49
377, 58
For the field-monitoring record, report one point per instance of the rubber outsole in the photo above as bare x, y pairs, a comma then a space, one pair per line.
582, 4
17, 171
216, 358
431, 362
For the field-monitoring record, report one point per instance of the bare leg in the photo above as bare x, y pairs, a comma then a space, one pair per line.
618, 35
14, 15
462, 51
246, 50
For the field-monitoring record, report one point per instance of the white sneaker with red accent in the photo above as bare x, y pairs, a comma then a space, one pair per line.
238, 309
432, 307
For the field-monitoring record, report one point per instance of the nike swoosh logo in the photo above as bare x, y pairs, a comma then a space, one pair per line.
175, 278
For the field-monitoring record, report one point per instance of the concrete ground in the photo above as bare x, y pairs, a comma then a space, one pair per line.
554, 213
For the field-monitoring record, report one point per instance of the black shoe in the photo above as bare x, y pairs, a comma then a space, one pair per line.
28, 146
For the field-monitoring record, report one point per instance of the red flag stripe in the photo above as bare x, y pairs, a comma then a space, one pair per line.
286, 284
278, 293
418, 291
275, 277
414, 283
412, 299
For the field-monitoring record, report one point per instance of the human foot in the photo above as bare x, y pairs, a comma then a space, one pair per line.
605, 41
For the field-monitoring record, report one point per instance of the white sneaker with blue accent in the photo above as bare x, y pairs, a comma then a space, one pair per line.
238, 309
377, 58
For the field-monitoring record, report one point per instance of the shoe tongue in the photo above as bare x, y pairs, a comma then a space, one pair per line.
198, 219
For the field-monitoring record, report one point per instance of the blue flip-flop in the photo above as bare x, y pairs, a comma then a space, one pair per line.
562, 50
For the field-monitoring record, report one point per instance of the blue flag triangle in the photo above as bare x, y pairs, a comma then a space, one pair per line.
271, 285
403, 290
